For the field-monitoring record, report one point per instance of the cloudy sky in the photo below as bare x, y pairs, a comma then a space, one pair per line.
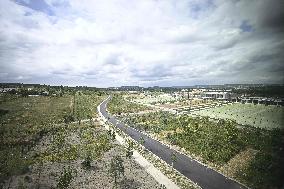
149, 42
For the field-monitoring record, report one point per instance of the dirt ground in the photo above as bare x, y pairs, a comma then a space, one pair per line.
46, 175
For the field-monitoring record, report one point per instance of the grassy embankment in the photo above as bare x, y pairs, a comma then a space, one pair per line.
268, 117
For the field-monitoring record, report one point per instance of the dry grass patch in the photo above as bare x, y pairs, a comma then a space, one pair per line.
238, 163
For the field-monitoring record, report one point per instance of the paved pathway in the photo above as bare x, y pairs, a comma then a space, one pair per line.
205, 177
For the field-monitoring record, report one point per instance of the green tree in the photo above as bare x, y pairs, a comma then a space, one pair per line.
88, 158
111, 134
116, 169
129, 149
141, 140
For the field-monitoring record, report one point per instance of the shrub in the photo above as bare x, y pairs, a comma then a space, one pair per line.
66, 177
116, 169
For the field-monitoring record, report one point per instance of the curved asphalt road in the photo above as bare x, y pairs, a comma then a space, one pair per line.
198, 173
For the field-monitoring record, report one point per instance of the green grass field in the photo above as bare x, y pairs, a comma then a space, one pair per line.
268, 117
218, 142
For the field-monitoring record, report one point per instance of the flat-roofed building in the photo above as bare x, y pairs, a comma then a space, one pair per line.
7, 89
217, 95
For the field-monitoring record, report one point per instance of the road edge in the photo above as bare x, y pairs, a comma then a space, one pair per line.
149, 167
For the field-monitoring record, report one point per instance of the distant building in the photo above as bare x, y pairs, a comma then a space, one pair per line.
133, 92
113, 88
8, 89
192, 93
216, 95
261, 100
30, 88
130, 88
45, 93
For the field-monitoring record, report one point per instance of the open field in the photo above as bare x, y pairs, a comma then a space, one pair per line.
25, 118
40, 148
165, 101
28, 118
268, 117
220, 144
118, 106
40, 144
86, 105
55, 154
153, 98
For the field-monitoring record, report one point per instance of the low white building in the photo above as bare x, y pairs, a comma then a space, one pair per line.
8, 89
216, 95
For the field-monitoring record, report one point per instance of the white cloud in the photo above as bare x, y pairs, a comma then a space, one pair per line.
119, 42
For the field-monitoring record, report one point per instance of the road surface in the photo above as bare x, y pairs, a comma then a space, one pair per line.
205, 177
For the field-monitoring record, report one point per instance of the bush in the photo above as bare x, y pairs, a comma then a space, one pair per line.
68, 118
116, 168
66, 178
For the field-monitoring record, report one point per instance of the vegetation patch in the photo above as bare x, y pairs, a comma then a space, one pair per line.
238, 163
217, 142
259, 115
26, 121
41, 146
118, 105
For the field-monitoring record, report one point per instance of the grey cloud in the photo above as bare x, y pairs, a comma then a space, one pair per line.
272, 15
264, 57
91, 73
256, 64
113, 59
185, 38
233, 68
37, 5
225, 44
155, 72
